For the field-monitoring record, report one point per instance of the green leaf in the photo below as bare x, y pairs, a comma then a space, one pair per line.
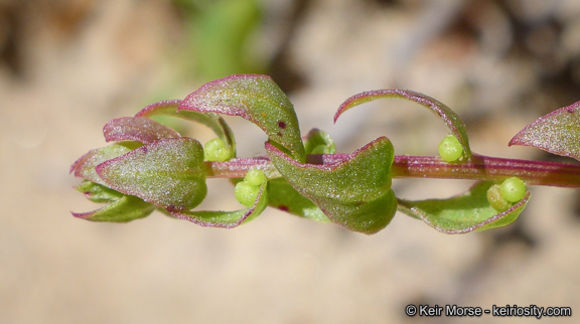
557, 132
124, 209
84, 167
451, 119
354, 192
464, 213
168, 173
169, 108
256, 98
98, 193
283, 196
225, 219
222, 32
138, 129
319, 142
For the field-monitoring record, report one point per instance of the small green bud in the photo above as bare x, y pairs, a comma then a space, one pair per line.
255, 177
450, 149
217, 150
245, 193
513, 189
496, 200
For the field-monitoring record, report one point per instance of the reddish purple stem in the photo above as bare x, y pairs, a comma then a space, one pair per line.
479, 167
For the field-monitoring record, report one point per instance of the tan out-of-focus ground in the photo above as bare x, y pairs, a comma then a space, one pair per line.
67, 67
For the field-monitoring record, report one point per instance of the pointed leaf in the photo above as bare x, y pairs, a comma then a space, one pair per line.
354, 192
451, 119
138, 129
557, 132
464, 213
256, 98
124, 209
84, 167
225, 219
98, 193
169, 108
168, 173
283, 196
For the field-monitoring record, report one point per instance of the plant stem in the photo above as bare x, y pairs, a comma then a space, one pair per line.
479, 167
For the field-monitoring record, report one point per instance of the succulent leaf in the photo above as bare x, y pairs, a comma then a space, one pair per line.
283, 196
451, 119
98, 193
226, 219
138, 129
84, 167
256, 98
169, 108
354, 192
168, 173
465, 213
124, 209
557, 132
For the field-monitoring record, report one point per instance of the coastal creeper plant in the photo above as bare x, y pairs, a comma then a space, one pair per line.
150, 166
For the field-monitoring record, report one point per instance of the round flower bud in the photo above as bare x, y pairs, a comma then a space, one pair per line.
245, 193
513, 189
217, 150
255, 177
496, 200
450, 149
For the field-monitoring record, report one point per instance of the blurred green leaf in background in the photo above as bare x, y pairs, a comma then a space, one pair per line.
218, 37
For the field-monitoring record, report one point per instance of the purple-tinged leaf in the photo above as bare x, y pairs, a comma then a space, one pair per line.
169, 108
225, 219
84, 167
354, 192
124, 209
256, 98
168, 173
557, 132
464, 213
138, 129
451, 119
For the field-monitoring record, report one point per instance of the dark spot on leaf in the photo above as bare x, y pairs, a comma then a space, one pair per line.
281, 124
284, 208
279, 134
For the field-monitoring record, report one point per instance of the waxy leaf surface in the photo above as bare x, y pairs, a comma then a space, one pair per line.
557, 132
354, 192
138, 129
256, 98
84, 167
169, 108
225, 219
168, 173
465, 213
451, 119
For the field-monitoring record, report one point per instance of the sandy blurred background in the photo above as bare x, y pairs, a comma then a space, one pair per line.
68, 66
